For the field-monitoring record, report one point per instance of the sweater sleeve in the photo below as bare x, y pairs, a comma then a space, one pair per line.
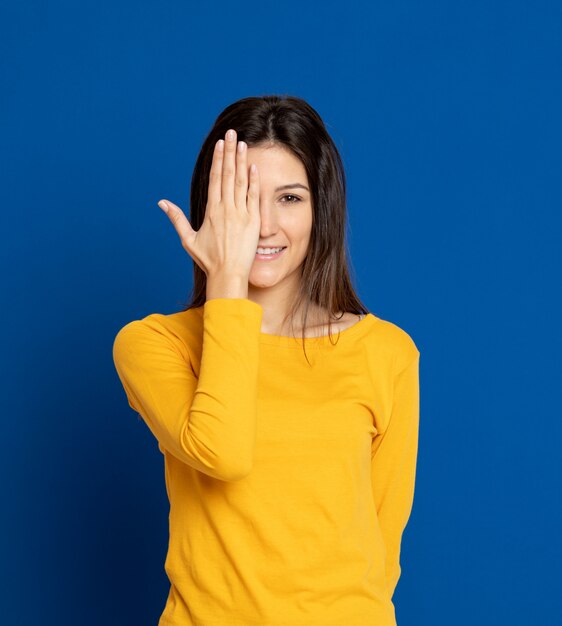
393, 466
209, 421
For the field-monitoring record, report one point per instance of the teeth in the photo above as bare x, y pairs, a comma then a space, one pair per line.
269, 250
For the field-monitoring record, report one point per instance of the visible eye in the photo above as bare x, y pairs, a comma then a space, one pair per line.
297, 199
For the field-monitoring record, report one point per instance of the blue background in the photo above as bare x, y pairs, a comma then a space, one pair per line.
448, 118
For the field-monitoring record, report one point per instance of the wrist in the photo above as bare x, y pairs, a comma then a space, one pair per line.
226, 286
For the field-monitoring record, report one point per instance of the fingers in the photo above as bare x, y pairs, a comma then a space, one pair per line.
180, 222
253, 201
229, 170
215, 175
241, 177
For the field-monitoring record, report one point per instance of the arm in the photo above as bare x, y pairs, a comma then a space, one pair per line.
209, 422
393, 466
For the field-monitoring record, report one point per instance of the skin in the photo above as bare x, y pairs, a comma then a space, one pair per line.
285, 220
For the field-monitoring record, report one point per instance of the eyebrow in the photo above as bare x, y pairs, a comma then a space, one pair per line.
292, 186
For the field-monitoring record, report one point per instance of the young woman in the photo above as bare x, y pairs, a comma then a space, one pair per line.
290, 460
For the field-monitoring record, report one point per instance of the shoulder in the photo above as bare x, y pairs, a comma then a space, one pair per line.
181, 331
391, 344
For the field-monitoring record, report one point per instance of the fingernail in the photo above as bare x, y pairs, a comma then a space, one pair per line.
164, 206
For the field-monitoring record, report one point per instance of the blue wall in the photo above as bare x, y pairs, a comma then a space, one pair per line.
448, 118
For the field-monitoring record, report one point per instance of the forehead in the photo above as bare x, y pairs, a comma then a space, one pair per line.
276, 165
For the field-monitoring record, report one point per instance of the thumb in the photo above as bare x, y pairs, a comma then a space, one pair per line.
180, 222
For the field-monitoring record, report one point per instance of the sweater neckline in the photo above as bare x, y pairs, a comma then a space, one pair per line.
323, 341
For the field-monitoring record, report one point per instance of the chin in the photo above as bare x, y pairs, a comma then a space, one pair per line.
262, 284
262, 281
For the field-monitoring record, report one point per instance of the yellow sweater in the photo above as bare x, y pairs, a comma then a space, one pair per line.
290, 484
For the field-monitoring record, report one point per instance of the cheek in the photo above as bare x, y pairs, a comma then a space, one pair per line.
298, 228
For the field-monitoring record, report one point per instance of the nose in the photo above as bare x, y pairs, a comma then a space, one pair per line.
268, 218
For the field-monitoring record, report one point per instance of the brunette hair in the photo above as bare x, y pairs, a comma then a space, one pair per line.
293, 123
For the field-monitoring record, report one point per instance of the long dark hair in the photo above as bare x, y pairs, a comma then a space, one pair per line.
292, 122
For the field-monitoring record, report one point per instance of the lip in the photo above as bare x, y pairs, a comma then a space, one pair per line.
269, 257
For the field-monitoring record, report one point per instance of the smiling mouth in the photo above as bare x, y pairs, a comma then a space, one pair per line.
272, 255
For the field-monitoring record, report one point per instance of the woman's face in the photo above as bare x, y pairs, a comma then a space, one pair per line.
286, 214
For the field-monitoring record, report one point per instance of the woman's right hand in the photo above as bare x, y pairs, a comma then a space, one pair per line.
227, 240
